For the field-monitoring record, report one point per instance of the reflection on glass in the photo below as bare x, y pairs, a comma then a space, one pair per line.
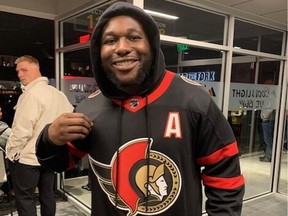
77, 183
284, 157
257, 38
207, 73
192, 23
79, 28
78, 81
77, 63
253, 104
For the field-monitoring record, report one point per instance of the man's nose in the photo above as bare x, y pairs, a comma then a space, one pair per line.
123, 46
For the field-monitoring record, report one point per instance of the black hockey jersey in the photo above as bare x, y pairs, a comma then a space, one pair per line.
151, 153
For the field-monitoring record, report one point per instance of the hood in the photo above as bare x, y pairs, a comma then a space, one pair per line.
150, 27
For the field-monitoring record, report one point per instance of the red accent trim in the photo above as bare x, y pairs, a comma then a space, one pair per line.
84, 38
226, 151
72, 151
160, 90
127, 158
223, 183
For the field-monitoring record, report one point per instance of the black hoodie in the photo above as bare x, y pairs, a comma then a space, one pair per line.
108, 89
149, 154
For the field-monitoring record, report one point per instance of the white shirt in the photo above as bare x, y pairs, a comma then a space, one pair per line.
38, 105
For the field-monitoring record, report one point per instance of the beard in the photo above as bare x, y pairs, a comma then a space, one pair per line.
141, 78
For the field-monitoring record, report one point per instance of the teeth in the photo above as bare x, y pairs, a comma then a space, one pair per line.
124, 63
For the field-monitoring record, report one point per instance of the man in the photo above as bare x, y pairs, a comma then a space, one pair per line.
268, 119
145, 116
38, 105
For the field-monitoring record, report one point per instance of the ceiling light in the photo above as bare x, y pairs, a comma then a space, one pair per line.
161, 15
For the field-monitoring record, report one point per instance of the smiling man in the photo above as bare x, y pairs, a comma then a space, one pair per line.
126, 54
152, 136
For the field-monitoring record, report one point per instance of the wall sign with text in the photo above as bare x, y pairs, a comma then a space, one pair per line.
78, 88
253, 96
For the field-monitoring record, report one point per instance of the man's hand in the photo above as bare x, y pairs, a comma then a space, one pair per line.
68, 127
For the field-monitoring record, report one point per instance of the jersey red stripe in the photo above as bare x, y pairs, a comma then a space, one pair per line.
223, 183
73, 151
227, 151
151, 98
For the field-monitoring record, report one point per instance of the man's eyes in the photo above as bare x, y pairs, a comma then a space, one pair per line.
134, 38
111, 41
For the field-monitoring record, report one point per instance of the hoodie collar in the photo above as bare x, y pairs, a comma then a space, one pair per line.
136, 103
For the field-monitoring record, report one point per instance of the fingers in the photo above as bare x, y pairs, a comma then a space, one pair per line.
74, 119
68, 127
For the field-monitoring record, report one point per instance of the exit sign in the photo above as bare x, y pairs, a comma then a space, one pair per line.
182, 47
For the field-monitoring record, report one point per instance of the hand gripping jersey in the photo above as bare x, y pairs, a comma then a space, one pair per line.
149, 154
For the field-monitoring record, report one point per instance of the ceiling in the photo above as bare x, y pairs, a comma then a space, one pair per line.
275, 10
21, 34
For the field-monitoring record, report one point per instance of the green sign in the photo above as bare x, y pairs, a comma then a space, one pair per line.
182, 47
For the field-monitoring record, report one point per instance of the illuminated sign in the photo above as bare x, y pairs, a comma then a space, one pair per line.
200, 76
182, 47
253, 96
78, 88
84, 38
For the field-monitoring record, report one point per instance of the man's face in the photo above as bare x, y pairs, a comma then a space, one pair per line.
125, 52
27, 72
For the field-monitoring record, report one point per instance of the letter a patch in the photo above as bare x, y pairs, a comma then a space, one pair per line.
173, 126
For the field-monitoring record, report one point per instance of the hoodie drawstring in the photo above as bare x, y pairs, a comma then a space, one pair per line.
148, 131
118, 152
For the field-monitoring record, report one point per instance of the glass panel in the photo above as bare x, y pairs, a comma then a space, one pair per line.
284, 156
254, 94
78, 28
78, 81
77, 63
192, 23
257, 38
205, 68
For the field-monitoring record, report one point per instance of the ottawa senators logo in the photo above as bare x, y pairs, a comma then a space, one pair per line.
146, 184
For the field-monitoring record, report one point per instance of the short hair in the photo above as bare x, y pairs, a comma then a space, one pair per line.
27, 58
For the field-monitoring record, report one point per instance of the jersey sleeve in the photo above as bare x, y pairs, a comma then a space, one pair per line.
217, 154
57, 158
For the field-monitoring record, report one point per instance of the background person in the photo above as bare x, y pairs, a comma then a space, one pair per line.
38, 105
268, 119
145, 115
5, 132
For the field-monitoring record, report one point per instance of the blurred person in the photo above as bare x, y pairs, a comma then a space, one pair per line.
152, 136
268, 119
38, 105
5, 131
